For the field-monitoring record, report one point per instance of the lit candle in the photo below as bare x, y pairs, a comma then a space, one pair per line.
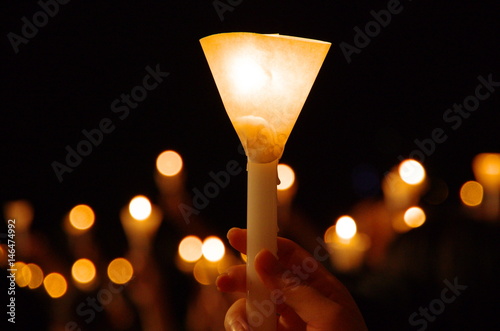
348, 247
486, 167
264, 81
140, 220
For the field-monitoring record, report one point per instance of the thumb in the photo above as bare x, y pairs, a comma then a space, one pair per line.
314, 308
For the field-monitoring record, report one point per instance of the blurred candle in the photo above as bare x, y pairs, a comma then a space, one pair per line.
403, 185
140, 220
347, 246
486, 167
169, 172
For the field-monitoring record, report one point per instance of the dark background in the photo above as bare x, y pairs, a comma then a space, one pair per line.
359, 117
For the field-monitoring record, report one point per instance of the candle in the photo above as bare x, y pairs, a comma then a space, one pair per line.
140, 220
486, 167
264, 81
347, 247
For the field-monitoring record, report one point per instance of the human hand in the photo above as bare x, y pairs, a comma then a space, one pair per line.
313, 299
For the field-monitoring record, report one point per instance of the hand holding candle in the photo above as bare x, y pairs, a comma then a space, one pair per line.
263, 81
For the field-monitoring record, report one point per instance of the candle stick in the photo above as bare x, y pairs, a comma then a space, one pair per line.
263, 81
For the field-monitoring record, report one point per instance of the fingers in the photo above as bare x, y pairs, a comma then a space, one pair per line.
233, 280
308, 302
297, 259
236, 316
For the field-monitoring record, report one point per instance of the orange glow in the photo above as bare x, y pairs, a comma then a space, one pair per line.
120, 271
169, 163
83, 271
190, 249
471, 193
205, 272
213, 249
22, 272
330, 234
411, 172
345, 227
140, 207
286, 176
414, 217
36, 278
81, 217
55, 285
486, 168
21, 211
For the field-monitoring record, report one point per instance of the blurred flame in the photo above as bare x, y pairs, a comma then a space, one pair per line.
55, 285
411, 172
36, 278
169, 163
20, 210
286, 176
190, 249
81, 217
414, 217
22, 272
471, 193
140, 207
120, 271
345, 227
213, 249
486, 168
83, 271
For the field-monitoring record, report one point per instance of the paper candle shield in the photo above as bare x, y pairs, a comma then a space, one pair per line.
264, 81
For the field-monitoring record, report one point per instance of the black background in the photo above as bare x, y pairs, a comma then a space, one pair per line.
359, 115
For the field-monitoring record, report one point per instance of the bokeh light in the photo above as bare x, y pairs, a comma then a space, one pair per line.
120, 271
411, 172
55, 284
190, 249
83, 271
213, 249
486, 168
471, 193
22, 211
345, 227
140, 207
36, 275
330, 234
414, 217
286, 176
81, 217
22, 272
169, 163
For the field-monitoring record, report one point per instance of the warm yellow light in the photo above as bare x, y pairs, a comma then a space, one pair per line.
486, 168
286, 176
120, 271
213, 249
263, 81
190, 248
330, 234
36, 278
414, 217
81, 217
205, 272
55, 285
83, 271
471, 193
169, 163
22, 272
20, 210
140, 208
412, 172
345, 227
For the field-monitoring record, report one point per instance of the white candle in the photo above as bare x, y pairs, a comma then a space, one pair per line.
262, 234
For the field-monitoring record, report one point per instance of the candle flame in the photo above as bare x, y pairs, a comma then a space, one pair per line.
213, 249
140, 208
471, 193
345, 227
414, 217
286, 176
169, 163
190, 249
411, 172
